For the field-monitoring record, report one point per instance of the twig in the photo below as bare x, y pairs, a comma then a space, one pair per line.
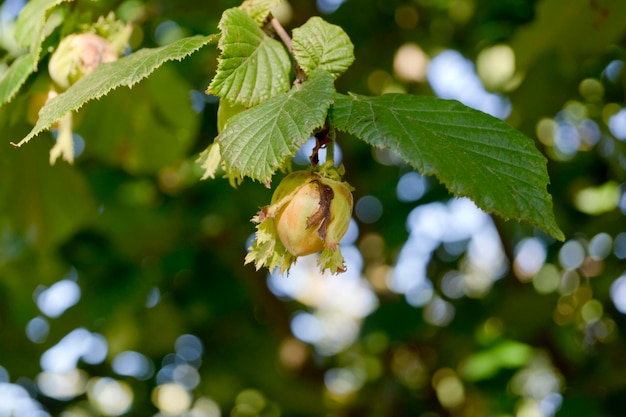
286, 39
282, 34
330, 146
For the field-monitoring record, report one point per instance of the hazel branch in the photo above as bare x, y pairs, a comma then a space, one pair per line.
282, 34
286, 39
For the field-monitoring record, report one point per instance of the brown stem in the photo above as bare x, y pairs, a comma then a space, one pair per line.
286, 39
282, 34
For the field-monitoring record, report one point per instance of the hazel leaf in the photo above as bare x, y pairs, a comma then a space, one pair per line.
258, 141
30, 32
474, 154
319, 44
258, 10
126, 71
15, 76
252, 67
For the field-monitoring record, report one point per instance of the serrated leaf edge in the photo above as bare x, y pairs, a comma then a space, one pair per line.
94, 82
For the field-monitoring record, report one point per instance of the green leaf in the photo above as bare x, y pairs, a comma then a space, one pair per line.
258, 141
124, 72
475, 155
15, 77
29, 33
318, 44
225, 111
258, 10
253, 67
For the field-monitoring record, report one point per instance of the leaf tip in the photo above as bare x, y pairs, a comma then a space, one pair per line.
557, 234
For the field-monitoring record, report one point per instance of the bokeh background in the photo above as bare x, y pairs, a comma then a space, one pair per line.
122, 285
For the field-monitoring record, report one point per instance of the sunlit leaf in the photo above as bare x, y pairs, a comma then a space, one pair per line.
318, 44
473, 154
31, 22
258, 141
253, 67
15, 77
258, 10
124, 72
29, 33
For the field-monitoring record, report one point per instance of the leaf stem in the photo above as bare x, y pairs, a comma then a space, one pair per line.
282, 34
286, 39
330, 147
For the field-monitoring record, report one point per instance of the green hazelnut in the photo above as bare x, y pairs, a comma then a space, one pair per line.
317, 214
310, 212
78, 55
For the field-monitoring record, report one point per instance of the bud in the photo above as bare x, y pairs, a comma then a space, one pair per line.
78, 55
310, 212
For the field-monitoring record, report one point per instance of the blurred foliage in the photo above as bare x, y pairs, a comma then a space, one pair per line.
157, 254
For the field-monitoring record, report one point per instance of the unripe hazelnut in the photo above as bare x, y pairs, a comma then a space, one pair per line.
78, 55
317, 214
310, 212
